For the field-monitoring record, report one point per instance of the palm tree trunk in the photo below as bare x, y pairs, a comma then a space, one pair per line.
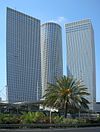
66, 109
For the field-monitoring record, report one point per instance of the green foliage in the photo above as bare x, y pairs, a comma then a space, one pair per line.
68, 121
57, 119
98, 118
27, 117
66, 93
39, 117
32, 117
82, 121
9, 119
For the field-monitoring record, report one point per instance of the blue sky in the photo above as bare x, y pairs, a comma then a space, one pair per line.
60, 11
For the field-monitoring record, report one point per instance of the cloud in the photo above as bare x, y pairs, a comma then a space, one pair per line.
53, 21
61, 19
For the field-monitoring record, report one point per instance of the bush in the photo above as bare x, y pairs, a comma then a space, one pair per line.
9, 119
32, 117
69, 121
98, 119
82, 121
57, 119
27, 117
39, 117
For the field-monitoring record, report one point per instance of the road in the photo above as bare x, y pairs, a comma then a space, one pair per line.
89, 129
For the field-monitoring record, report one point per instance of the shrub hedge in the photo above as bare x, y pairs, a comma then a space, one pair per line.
41, 118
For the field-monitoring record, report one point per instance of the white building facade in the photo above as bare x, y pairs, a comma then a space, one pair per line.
81, 55
51, 53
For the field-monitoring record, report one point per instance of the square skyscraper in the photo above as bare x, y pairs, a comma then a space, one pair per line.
81, 55
23, 57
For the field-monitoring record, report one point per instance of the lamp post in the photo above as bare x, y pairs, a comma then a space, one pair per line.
50, 115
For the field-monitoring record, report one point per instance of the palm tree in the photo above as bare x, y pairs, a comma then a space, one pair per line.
66, 92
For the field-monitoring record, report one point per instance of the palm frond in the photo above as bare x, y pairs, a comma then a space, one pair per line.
66, 89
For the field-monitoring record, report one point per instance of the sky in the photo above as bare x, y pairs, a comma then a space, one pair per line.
60, 11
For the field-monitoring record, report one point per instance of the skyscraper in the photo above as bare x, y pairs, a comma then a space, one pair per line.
81, 55
51, 53
23, 57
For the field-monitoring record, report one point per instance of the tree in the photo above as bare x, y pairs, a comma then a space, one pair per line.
66, 92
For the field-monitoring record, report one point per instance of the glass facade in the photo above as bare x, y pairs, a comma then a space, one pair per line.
51, 53
23, 57
81, 55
